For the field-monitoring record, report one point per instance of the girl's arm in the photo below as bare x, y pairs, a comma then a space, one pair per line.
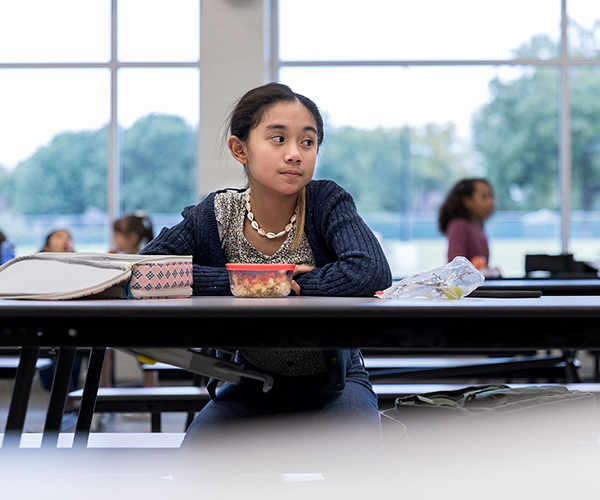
354, 263
194, 236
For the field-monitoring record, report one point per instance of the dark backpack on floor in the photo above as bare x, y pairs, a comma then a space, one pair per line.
493, 414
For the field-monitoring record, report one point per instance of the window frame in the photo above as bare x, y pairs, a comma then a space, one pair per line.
563, 63
114, 204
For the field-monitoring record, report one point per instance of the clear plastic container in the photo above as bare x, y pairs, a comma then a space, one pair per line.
260, 280
452, 281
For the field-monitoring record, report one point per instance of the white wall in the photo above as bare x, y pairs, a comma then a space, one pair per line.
234, 41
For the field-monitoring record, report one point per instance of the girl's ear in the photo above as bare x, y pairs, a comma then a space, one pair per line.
238, 149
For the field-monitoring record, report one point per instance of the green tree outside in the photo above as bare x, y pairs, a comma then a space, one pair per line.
517, 134
515, 144
158, 158
5, 188
69, 176
396, 169
66, 177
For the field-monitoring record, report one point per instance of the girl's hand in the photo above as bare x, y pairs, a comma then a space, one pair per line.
300, 269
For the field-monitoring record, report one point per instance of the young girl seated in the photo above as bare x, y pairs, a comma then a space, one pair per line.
283, 216
58, 241
131, 233
461, 218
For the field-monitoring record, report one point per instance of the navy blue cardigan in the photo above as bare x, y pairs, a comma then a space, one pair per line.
349, 260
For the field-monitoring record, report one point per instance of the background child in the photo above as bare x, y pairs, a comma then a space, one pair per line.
131, 233
461, 218
58, 241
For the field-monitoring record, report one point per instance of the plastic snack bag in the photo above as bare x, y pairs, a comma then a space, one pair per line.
454, 280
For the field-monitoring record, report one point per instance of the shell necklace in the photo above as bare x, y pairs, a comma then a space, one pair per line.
261, 231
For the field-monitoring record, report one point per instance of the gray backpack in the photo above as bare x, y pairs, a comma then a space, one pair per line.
493, 414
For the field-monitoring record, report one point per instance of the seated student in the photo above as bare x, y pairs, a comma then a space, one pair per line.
130, 234
60, 240
461, 218
283, 216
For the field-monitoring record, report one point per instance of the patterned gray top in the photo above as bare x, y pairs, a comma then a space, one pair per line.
230, 211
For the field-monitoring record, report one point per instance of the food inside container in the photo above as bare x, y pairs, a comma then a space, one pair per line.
260, 280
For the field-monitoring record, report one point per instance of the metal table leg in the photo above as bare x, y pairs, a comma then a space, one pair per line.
88, 399
570, 368
20, 397
58, 396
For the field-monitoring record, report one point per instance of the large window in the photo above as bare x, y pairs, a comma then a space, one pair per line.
99, 114
417, 95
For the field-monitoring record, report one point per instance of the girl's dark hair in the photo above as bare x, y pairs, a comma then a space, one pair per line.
453, 206
141, 225
249, 110
47, 241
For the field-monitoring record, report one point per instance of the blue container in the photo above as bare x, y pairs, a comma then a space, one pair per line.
8, 252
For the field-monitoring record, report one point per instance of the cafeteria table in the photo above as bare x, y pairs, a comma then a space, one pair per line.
548, 322
545, 285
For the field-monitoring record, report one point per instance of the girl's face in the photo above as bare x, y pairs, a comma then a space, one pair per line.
281, 151
481, 203
60, 241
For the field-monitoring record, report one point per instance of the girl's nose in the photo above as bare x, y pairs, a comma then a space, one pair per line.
293, 156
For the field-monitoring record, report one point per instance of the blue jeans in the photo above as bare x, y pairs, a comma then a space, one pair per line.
297, 410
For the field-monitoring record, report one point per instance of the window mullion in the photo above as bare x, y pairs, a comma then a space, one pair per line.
114, 164
565, 134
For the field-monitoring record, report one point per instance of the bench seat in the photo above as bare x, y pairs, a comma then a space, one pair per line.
394, 368
153, 400
390, 368
9, 365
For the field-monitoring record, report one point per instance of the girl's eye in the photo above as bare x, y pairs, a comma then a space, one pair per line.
278, 138
308, 142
